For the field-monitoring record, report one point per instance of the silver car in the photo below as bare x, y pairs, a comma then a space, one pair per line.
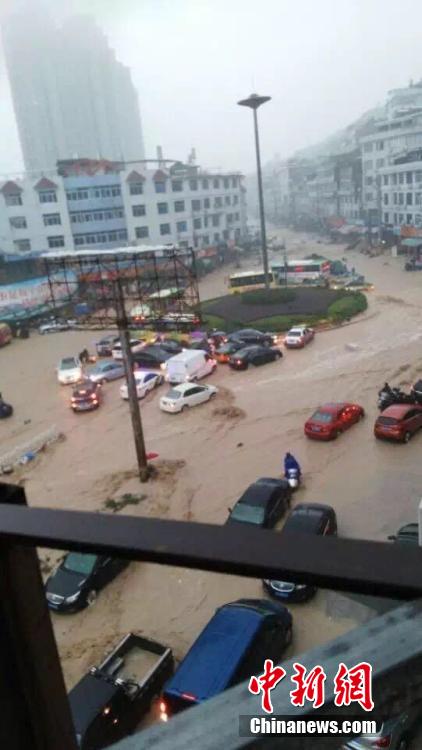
105, 371
395, 734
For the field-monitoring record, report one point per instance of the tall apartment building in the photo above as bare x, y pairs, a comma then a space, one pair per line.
70, 94
101, 204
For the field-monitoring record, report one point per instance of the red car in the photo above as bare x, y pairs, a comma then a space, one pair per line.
331, 419
298, 337
399, 422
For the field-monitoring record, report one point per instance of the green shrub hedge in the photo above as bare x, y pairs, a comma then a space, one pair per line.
346, 307
267, 296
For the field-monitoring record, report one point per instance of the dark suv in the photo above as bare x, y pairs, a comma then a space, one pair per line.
252, 336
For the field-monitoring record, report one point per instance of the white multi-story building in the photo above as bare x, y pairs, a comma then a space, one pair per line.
89, 203
401, 188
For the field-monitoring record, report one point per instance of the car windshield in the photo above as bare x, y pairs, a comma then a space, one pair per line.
322, 416
173, 394
78, 563
294, 333
248, 513
387, 420
68, 363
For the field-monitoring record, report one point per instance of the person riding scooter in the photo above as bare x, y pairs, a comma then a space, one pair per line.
292, 470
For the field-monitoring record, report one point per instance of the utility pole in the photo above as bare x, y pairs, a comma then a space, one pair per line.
135, 414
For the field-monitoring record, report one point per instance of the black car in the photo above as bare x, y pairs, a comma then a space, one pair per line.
263, 503
306, 518
152, 356
105, 345
253, 355
170, 345
224, 351
408, 534
86, 396
76, 582
216, 338
252, 336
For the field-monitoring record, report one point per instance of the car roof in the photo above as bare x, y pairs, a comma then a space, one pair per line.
273, 481
306, 517
399, 410
332, 407
182, 387
257, 494
214, 657
88, 699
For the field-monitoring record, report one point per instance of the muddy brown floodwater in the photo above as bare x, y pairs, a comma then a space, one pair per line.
208, 456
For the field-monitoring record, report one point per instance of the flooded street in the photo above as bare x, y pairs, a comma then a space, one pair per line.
258, 416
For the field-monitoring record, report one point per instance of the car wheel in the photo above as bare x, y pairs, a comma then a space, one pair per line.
278, 355
103, 381
406, 437
336, 434
289, 636
184, 407
212, 395
91, 598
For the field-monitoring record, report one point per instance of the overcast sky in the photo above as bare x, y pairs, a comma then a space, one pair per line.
323, 62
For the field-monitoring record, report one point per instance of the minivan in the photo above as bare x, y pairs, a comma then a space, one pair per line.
230, 649
189, 365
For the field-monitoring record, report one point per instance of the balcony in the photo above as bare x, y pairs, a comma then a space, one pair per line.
36, 714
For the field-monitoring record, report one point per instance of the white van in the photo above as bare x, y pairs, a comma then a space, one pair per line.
191, 364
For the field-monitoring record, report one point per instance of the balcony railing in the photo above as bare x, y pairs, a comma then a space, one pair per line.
36, 715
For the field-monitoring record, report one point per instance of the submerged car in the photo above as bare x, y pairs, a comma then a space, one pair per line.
253, 355
407, 534
152, 357
105, 345
145, 382
54, 326
305, 518
330, 420
263, 503
136, 345
251, 336
69, 370
86, 396
399, 422
106, 371
78, 579
223, 353
298, 337
185, 395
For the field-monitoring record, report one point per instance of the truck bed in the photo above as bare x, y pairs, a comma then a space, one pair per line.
136, 659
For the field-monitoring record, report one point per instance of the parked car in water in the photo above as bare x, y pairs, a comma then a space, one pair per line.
223, 353
298, 337
145, 382
216, 338
253, 355
251, 336
305, 518
407, 534
55, 325
86, 396
263, 503
231, 648
191, 364
136, 345
396, 733
103, 372
105, 345
186, 395
151, 357
77, 580
399, 422
330, 420
69, 370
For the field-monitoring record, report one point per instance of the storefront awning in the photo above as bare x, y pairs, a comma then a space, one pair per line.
412, 242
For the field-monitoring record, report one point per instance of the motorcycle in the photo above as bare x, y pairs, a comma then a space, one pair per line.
417, 392
293, 478
388, 397
6, 410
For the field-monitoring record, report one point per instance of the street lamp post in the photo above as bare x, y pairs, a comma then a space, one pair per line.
253, 102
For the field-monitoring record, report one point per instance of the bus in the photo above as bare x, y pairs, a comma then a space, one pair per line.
244, 281
302, 271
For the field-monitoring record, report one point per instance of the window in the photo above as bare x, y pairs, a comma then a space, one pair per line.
22, 246
235, 200
197, 224
409, 199
395, 218
401, 199
177, 186
368, 196
385, 179
237, 216
368, 180
193, 184
80, 195
47, 196
367, 147
13, 199
136, 188
418, 199
234, 182
418, 219
218, 202
226, 182
380, 146
215, 220
205, 221
229, 218
51, 219
216, 236
368, 164
216, 183
160, 187
164, 228
409, 178
17, 222
205, 185
207, 202
401, 218
116, 190
386, 218
379, 163
179, 206
394, 179
141, 232
418, 176
401, 178
57, 241
386, 199
196, 205
206, 239
227, 200
409, 218
163, 208
182, 226
138, 210
395, 199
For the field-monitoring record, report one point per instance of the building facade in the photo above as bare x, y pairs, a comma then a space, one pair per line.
401, 192
89, 203
71, 96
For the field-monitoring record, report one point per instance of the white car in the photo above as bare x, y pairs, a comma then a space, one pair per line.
69, 370
54, 326
145, 382
298, 337
186, 394
135, 344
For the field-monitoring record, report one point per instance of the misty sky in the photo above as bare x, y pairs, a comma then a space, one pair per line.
324, 62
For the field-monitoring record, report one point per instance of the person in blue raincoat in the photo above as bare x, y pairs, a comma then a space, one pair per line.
291, 463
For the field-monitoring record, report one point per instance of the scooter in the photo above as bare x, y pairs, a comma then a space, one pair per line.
6, 410
293, 478
394, 396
